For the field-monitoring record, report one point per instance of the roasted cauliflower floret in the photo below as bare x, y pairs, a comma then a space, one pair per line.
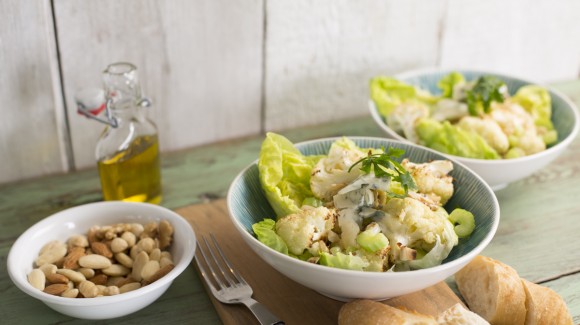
432, 179
301, 230
331, 174
488, 129
411, 224
519, 127
404, 118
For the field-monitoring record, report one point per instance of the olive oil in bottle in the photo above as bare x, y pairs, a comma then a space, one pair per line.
128, 150
133, 174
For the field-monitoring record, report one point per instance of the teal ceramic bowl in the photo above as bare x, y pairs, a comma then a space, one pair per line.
248, 205
498, 173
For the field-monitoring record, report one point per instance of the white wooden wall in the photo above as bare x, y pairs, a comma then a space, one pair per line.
220, 69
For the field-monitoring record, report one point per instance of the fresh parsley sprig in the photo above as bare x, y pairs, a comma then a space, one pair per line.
486, 90
385, 165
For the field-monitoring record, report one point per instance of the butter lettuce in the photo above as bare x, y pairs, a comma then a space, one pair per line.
448, 82
265, 232
284, 174
537, 101
447, 138
388, 93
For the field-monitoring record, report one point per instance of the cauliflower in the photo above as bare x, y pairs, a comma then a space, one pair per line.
410, 223
331, 174
404, 118
448, 109
519, 127
301, 230
488, 129
432, 179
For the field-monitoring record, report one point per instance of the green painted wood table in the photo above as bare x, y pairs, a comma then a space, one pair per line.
538, 234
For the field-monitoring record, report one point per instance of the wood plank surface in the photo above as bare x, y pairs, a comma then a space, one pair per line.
199, 61
290, 301
525, 238
32, 123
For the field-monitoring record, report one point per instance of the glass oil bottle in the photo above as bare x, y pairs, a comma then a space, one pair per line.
127, 152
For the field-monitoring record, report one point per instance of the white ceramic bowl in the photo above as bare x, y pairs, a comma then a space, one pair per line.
499, 173
78, 220
248, 205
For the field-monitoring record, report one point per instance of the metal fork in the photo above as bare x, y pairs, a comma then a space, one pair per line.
230, 287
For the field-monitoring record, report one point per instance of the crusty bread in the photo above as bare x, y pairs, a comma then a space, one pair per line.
545, 306
459, 315
493, 290
368, 312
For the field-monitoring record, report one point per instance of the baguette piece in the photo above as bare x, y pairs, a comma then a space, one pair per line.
545, 306
368, 312
459, 315
493, 290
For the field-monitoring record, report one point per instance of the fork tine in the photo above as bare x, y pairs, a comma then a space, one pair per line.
233, 272
216, 278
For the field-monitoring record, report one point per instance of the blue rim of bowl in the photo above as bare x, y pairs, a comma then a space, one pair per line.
169, 277
419, 72
456, 262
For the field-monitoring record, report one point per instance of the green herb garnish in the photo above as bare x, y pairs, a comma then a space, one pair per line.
386, 165
486, 90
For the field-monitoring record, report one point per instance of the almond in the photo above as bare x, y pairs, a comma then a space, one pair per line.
95, 261
57, 278
99, 279
56, 289
101, 249
72, 258
160, 273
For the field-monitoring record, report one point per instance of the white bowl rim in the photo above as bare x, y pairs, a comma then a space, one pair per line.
512, 161
105, 300
378, 275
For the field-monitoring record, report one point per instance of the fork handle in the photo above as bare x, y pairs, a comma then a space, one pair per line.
263, 314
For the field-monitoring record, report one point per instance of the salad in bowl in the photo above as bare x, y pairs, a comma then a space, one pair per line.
478, 118
502, 127
354, 208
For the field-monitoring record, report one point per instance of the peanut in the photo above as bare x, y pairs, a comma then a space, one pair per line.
130, 238
165, 234
88, 273
78, 241
112, 290
155, 254
147, 244
118, 245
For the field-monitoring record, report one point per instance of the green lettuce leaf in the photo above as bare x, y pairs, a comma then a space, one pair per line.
537, 101
447, 83
388, 93
265, 232
343, 261
447, 138
284, 174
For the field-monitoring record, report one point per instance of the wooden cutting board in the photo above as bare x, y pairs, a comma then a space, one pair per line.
292, 302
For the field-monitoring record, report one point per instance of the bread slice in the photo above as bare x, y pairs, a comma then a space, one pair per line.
493, 290
368, 312
545, 306
459, 315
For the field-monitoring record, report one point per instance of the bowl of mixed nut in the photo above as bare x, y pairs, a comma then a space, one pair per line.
102, 260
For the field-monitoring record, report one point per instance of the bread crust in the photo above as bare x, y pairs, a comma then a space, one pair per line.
493, 290
368, 312
545, 306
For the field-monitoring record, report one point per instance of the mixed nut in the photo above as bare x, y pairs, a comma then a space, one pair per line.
107, 261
